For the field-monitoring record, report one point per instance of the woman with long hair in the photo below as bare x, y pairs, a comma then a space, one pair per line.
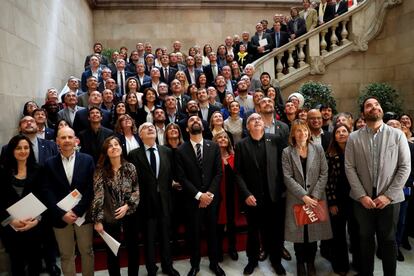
180, 75
339, 203
407, 122
201, 81
235, 70
127, 133
207, 49
119, 109
132, 105
234, 123
20, 176
192, 91
132, 85
29, 107
116, 199
149, 101
228, 197
305, 172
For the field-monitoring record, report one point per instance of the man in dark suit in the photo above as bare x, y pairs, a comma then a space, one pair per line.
191, 72
93, 70
177, 92
64, 173
260, 178
92, 138
341, 7
199, 172
206, 109
212, 70
193, 109
167, 72
141, 74
80, 122
318, 135
326, 12
97, 51
155, 175
106, 75
296, 25
279, 37
171, 113
154, 82
262, 42
120, 76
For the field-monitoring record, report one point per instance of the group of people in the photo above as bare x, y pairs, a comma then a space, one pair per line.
155, 143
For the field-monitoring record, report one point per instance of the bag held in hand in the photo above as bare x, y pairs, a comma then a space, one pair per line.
308, 215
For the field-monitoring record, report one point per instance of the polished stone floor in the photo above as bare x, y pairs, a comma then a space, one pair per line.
323, 267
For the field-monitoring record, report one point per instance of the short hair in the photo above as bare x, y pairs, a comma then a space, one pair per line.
39, 110
94, 108
265, 74
298, 123
365, 100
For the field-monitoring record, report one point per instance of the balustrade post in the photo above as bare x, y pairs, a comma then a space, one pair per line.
334, 38
323, 42
301, 54
290, 60
344, 32
279, 65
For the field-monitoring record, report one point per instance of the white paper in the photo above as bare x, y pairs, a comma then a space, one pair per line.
70, 201
263, 42
27, 207
111, 242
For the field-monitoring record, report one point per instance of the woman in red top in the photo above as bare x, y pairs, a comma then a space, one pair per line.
228, 202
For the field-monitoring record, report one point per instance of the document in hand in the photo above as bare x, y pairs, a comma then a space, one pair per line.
263, 42
70, 201
27, 207
111, 242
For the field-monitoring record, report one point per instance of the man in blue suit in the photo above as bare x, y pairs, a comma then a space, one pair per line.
94, 70
63, 173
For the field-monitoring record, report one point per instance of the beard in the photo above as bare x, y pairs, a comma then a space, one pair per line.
196, 129
373, 117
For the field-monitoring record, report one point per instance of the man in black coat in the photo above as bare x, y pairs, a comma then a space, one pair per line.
155, 175
199, 172
260, 178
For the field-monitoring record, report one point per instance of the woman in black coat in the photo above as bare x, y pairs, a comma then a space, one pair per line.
20, 176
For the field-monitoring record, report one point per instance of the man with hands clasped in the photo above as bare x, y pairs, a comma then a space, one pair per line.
377, 164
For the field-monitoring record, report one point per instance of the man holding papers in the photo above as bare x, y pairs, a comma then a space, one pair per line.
63, 174
20, 235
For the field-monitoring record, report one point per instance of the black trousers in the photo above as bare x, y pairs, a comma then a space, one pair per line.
157, 228
131, 231
199, 217
305, 252
265, 222
113, 230
383, 224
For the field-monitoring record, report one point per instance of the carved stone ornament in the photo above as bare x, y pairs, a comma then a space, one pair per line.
392, 3
360, 44
317, 66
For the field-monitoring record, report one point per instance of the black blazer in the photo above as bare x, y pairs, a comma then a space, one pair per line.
197, 73
209, 73
148, 182
193, 178
211, 110
81, 121
329, 13
283, 38
342, 8
183, 127
247, 167
56, 185
171, 74
255, 45
91, 143
301, 28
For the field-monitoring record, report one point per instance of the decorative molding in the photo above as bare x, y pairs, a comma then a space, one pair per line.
360, 44
317, 66
191, 4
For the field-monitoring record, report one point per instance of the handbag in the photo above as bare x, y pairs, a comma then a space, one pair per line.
308, 215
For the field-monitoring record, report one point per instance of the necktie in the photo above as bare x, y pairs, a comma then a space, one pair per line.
277, 40
199, 157
166, 74
178, 104
153, 161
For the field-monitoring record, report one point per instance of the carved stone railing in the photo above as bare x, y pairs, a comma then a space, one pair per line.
312, 52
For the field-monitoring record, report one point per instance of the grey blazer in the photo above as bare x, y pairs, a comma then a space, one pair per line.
64, 114
316, 179
394, 164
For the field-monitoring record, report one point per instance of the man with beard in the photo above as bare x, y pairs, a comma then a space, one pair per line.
199, 172
260, 178
159, 123
193, 109
377, 164
318, 135
97, 51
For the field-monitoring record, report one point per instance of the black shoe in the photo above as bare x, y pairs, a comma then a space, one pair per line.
217, 270
262, 255
152, 271
286, 255
311, 269
171, 272
233, 255
400, 256
300, 269
249, 268
406, 244
193, 271
54, 271
279, 269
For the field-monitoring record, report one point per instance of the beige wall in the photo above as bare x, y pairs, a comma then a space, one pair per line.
390, 58
115, 28
41, 44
